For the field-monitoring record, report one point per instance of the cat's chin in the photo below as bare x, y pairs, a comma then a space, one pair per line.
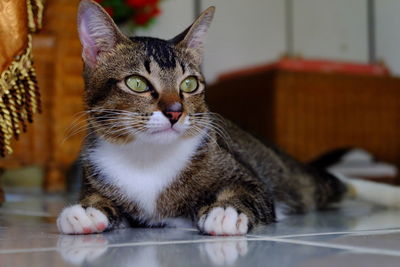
165, 131
161, 136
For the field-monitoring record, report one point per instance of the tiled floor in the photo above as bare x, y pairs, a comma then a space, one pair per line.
356, 234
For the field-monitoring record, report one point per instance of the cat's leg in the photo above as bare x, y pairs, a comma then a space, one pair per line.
94, 214
235, 211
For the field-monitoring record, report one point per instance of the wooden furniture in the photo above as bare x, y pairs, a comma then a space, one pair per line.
310, 112
58, 63
2, 197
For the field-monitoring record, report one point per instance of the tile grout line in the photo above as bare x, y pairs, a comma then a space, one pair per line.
365, 232
375, 251
255, 238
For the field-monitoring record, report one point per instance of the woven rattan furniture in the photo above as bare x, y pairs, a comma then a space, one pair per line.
310, 112
58, 63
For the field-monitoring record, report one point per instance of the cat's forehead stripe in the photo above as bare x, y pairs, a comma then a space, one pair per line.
147, 66
183, 67
158, 50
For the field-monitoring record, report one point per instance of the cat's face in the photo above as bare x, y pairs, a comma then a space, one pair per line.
142, 88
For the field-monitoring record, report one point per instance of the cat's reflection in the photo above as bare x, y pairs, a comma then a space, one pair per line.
81, 249
115, 249
223, 253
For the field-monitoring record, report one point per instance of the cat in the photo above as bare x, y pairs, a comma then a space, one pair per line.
156, 156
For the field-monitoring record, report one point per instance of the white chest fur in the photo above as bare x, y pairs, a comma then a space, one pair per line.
143, 170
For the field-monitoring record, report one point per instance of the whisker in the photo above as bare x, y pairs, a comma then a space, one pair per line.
210, 137
214, 126
78, 124
111, 124
125, 130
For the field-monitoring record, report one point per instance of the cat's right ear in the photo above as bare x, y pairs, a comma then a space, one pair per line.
194, 37
97, 31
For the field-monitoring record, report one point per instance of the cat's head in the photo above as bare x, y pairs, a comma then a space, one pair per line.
140, 87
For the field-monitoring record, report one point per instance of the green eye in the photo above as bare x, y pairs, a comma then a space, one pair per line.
137, 84
189, 85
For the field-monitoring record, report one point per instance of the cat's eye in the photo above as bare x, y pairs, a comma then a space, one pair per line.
137, 84
189, 85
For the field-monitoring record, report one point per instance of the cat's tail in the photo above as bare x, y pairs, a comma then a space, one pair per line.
373, 192
377, 193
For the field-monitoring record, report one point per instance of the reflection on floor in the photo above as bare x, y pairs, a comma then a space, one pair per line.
355, 234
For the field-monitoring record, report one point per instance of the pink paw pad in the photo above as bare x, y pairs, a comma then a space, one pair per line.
101, 226
87, 230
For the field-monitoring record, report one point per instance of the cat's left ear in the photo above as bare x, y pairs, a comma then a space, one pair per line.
194, 37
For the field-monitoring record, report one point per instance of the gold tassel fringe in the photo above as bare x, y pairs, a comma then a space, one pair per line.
19, 93
20, 98
35, 14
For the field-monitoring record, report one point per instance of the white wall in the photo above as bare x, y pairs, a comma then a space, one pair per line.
243, 33
333, 29
388, 33
176, 16
249, 32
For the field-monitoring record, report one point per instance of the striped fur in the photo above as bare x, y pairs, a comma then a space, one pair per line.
140, 169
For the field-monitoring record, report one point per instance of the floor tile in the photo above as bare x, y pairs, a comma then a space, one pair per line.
349, 216
355, 234
350, 260
385, 241
45, 235
219, 253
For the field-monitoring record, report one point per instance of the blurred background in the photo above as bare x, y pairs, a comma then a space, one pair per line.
310, 75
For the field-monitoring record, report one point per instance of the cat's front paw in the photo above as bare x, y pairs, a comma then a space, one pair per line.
78, 220
224, 221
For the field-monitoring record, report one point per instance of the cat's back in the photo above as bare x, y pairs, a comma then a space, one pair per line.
260, 157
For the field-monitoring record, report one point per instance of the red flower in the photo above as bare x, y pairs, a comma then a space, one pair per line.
142, 19
109, 10
155, 11
137, 3
98, 1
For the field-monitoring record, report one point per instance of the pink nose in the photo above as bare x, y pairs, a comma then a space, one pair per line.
173, 112
173, 116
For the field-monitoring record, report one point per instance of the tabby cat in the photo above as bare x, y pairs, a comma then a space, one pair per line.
156, 156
